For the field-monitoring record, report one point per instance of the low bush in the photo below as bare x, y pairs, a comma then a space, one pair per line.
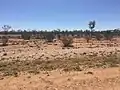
67, 41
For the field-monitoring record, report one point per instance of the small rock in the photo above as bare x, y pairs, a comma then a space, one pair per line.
55, 44
5, 54
1, 78
89, 73
69, 79
84, 53
47, 57
75, 53
29, 77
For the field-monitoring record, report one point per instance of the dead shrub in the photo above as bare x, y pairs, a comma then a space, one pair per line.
4, 40
88, 38
26, 36
49, 37
67, 41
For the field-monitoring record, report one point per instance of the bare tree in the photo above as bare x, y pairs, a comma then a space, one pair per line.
5, 37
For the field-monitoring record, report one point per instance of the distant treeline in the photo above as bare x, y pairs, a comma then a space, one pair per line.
115, 32
76, 33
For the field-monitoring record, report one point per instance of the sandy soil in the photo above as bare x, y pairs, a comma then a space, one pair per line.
50, 52
99, 79
89, 79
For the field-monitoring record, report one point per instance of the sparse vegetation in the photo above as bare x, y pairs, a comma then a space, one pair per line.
9, 68
5, 37
4, 40
88, 38
49, 37
99, 37
13, 68
67, 41
26, 36
108, 35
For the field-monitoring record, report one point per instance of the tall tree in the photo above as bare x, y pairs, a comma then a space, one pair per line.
92, 26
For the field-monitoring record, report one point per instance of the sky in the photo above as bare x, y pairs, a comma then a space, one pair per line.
62, 14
